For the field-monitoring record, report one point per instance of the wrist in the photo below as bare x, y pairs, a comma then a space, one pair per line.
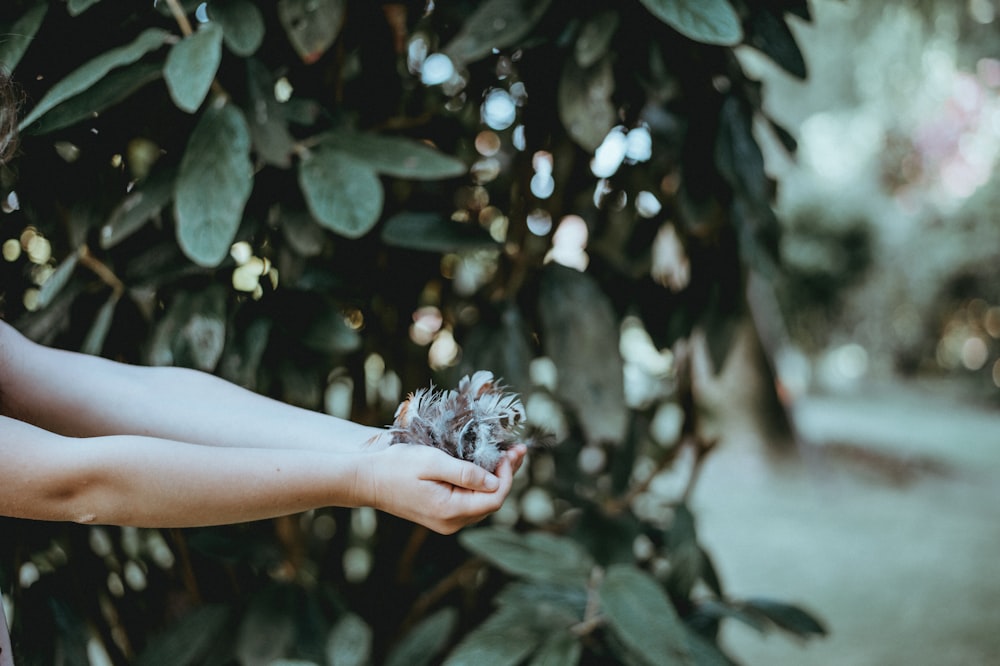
365, 486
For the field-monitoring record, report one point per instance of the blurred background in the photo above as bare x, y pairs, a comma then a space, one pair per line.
740, 258
884, 513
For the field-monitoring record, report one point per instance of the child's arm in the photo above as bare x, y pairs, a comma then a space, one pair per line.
151, 482
79, 395
87, 439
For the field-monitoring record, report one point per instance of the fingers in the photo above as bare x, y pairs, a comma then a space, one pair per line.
516, 456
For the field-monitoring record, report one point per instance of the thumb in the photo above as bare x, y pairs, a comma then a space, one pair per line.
464, 475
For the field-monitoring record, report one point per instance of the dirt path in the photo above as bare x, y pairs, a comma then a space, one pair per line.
887, 526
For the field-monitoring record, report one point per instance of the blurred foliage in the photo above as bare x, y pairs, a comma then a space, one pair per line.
335, 202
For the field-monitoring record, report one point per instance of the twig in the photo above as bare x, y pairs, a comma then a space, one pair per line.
187, 571
180, 17
98, 267
618, 504
701, 449
443, 587
592, 618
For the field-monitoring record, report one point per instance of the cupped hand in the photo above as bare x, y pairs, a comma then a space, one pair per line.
431, 488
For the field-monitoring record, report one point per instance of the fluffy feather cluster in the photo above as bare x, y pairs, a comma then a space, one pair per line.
476, 422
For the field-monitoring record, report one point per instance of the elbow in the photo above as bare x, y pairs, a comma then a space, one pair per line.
72, 500
81, 497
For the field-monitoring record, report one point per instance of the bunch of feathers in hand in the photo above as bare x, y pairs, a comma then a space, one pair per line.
476, 422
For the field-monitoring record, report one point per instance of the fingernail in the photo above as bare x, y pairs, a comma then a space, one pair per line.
491, 482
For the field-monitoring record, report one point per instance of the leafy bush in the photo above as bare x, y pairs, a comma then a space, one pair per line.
335, 202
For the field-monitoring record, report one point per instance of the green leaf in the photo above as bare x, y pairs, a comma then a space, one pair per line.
503, 639
139, 206
584, 99
243, 353
595, 38
396, 156
432, 232
501, 342
580, 334
554, 604
421, 645
343, 193
242, 24
560, 649
17, 36
213, 185
98, 333
94, 70
768, 32
705, 653
304, 236
686, 558
186, 641
110, 90
641, 615
77, 7
789, 617
717, 610
495, 24
267, 630
57, 280
708, 21
312, 26
193, 331
537, 556
350, 642
268, 124
191, 66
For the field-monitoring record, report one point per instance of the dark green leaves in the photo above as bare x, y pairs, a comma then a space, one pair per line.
523, 623
708, 21
595, 37
57, 280
17, 36
242, 24
188, 640
432, 232
343, 193
641, 615
193, 332
585, 106
350, 642
107, 92
142, 204
77, 7
425, 641
272, 141
93, 71
768, 32
560, 649
580, 334
396, 156
537, 556
496, 24
191, 66
789, 617
312, 26
504, 639
213, 185
340, 177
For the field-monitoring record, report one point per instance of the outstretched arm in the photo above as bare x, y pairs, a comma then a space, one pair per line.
82, 396
91, 440
151, 482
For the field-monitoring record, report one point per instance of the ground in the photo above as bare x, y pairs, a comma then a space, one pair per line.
883, 520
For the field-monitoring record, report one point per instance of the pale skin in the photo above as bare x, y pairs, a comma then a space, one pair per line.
89, 440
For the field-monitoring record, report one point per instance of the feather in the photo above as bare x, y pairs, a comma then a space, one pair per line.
477, 422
